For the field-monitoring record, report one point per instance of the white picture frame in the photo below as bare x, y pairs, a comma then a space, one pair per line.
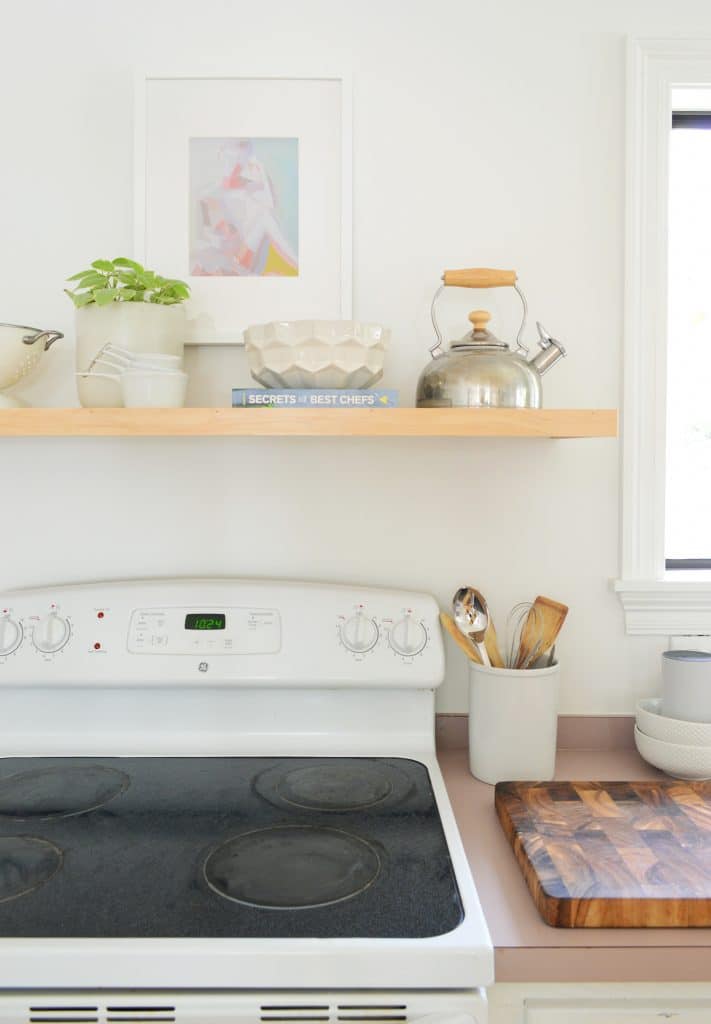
172, 109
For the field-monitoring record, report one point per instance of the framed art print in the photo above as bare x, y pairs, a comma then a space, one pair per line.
243, 189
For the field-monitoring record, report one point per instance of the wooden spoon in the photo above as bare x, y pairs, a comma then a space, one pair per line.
460, 640
492, 646
540, 630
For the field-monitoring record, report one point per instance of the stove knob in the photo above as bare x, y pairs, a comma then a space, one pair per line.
10, 634
50, 633
408, 637
359, 633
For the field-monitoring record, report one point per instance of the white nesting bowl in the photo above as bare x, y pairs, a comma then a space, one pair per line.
316, 353
681, 761
652, 722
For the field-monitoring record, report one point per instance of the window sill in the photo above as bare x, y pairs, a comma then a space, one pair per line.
679, 605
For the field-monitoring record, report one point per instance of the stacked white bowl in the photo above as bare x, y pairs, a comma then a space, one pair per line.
673, 732
145, 379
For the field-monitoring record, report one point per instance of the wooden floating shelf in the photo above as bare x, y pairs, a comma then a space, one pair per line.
553, 423
550, 423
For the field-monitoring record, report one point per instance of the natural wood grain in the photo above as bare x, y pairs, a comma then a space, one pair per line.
613, 854
479, 318
551, 423
480, 277
491, 642
540, 630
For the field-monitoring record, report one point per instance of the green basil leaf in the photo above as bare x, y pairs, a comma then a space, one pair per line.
126, 278
179, 288
103, 296
80, 300
92, 280
106, 265
124, 261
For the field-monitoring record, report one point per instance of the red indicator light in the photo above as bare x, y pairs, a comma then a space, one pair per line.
99, 615
97, 647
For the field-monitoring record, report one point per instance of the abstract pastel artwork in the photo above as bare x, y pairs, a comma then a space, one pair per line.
244, 207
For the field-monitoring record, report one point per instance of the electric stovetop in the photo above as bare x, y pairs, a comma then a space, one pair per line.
222, 847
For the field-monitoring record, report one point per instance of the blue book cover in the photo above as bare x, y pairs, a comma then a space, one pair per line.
315, 398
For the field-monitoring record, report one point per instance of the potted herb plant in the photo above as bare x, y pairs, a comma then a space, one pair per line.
120, 303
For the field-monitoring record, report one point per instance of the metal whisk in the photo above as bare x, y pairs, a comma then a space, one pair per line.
515, 622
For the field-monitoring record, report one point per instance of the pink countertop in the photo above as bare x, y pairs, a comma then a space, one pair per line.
527, 949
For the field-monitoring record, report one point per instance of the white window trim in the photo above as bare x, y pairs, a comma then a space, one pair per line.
655, 602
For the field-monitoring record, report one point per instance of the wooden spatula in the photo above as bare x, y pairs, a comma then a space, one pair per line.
492, 645
460, 640
542, 626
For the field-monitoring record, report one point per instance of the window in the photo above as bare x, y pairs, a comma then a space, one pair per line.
666, 483
687, 544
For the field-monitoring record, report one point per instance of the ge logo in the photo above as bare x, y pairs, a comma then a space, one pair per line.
203, 666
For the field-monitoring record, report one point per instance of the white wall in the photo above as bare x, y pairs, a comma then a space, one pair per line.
485, 133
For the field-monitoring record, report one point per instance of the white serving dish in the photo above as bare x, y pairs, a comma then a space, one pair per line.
316, 353
680, 760
653, 722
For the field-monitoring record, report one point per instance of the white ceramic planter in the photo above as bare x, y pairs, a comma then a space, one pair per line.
135, 326
513, 723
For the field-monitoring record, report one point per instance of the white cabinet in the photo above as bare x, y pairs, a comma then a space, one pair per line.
600, 1003
573, 1011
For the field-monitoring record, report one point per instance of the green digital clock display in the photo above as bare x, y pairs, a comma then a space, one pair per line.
205, 620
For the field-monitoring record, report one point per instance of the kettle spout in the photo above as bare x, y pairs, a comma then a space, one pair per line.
551, 351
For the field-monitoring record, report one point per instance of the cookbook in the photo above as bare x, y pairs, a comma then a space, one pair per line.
315, 398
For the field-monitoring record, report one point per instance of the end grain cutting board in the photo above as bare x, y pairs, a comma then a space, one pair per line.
613, 854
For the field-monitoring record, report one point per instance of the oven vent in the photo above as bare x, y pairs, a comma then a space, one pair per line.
63, 1015
307, 1012
98, 1015
139, 1014
372, 1012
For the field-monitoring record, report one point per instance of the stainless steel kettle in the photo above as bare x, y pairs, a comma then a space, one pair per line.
479, 369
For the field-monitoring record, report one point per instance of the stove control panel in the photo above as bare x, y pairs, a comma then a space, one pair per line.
203, 630
363, 632
214, 633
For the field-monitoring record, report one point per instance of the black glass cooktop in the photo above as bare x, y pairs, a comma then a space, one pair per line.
223, 847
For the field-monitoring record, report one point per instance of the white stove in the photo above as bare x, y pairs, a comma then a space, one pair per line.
219, 800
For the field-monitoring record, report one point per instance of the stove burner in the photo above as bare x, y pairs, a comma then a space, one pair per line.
25, 865
49, 793
340, 787
335, 785
292, 867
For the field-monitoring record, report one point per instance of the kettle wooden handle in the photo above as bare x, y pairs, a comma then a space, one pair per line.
480, 277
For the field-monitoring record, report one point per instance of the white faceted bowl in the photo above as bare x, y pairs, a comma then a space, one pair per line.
652, 722
316, 353
679, 760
